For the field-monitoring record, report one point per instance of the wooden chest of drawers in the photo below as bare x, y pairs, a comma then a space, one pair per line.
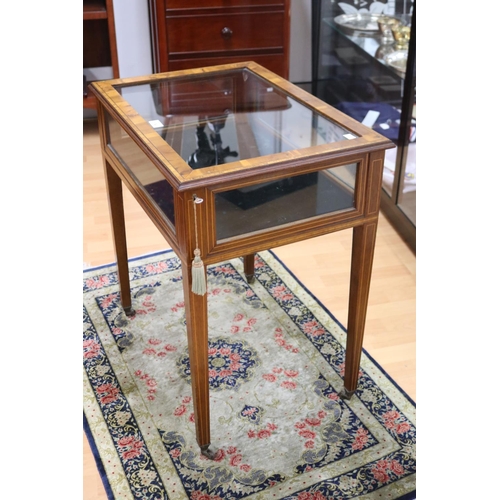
193, 34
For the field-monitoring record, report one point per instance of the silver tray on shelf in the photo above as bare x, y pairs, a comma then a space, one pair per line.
361, 23
397, 60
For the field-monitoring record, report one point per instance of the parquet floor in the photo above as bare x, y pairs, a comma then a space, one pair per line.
322, 264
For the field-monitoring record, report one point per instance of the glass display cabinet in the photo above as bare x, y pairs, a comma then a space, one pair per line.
364, 55
230, 160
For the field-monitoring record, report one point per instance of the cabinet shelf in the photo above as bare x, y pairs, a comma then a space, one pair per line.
99, 42
94, 9
89, 102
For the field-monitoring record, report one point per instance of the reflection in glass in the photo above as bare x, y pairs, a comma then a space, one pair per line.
271, 204
229, 117
210, 152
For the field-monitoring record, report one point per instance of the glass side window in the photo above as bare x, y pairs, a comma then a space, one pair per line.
275, 203
139, 165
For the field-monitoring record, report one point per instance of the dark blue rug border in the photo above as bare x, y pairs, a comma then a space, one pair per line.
97, 458
86, 427
409, 496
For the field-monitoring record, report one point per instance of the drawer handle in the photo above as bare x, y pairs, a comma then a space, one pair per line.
226, 33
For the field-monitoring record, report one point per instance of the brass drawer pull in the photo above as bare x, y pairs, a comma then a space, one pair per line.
226, 33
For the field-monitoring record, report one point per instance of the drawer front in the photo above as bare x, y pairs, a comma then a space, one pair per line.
275, 63
224, 33
202, 4
210, 98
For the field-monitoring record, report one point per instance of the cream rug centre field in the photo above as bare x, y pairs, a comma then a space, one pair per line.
276, 360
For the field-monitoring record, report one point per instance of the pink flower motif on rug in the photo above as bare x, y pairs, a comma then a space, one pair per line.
305, 495
279, 374
216, 291
156, 268
130, 447
258, 263
263, 432
148, 306
155, 350
281, 292
107, 393
184, 408
244, 324
108, 300
178, 307
150, 383
199, 495
232, 457
361, 439
280, 340
313, 328
117, 331
91, 349
307, 428
392, 420
97, 282
384, 469
225, 270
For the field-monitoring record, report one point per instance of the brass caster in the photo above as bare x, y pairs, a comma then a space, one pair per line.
345, 394
129, 311
209, 453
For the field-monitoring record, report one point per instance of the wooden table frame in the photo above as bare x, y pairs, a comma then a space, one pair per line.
367, 151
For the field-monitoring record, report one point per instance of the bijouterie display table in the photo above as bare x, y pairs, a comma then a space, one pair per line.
231, 160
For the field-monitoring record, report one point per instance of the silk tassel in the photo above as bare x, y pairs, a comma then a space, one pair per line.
198, 276
199, 284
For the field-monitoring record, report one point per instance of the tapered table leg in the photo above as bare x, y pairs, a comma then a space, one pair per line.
249, 267
115, 200
197, 334
363, 248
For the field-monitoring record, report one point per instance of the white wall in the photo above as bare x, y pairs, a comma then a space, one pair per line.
300, 41
133, 37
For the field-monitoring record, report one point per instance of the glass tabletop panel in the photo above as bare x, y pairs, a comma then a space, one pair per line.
229, 116
272, 204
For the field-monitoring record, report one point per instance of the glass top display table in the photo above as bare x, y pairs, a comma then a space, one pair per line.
231, 160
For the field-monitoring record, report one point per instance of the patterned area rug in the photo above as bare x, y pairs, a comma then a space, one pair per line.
276, 365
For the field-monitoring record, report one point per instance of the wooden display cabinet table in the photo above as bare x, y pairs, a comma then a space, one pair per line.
230, 160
